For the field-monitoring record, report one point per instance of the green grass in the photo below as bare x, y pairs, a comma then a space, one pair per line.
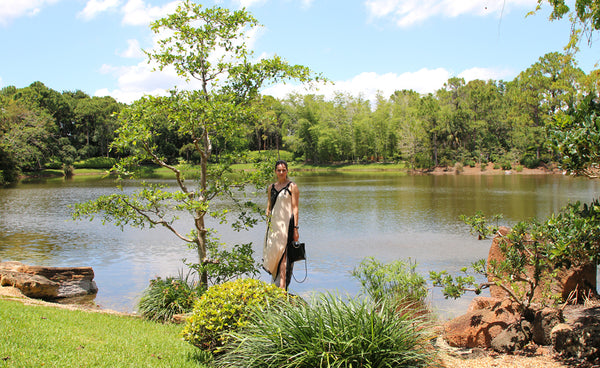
371, 167
36, 336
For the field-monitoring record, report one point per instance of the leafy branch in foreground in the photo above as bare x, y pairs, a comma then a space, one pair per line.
531, 252
479, 224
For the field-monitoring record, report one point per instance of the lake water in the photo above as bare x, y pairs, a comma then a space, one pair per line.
343, 219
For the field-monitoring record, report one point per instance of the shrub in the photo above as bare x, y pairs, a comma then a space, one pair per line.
530, 161
458, 168
225, 308
397, 280
96, 163
506, 165
532, 251
329, 332
166, 297
53, 164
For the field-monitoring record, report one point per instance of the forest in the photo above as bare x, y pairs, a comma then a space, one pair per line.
504, 122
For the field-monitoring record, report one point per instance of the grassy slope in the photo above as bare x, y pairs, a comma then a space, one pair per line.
35, 336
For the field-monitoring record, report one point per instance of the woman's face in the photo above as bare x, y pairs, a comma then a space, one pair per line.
281, 172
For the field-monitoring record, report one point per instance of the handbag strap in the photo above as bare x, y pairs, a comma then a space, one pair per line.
305, 273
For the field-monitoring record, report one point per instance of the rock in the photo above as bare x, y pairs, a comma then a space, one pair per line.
543, 323
48, 282
564, 339
579, 336
33, 286
181, 318
514, 338
577, 281
482, 302
478, 327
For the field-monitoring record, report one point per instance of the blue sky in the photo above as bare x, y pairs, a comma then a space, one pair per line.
363, 46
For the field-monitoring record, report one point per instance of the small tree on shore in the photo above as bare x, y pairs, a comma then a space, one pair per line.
206, 45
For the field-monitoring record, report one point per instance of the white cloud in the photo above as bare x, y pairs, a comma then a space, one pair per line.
94, 7
137, 13
406, 13
133, 50
138, 80
305, 4
485, 74
248, 3
369, 85
12, 9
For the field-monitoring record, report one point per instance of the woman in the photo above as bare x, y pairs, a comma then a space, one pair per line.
282, 229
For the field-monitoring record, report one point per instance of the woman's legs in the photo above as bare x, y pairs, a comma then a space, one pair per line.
283, 271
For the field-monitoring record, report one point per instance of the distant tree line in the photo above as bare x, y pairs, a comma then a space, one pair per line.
478, 121
41, 128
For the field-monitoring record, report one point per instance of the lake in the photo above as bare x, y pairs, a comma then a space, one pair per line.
343, 219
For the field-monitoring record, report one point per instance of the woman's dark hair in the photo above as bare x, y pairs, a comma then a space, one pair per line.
281, 162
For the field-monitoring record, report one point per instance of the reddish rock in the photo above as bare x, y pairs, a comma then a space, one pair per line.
479, 326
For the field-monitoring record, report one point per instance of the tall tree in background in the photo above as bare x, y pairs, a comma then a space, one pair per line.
206, 45
26, 135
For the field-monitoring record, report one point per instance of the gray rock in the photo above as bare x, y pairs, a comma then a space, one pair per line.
514, 338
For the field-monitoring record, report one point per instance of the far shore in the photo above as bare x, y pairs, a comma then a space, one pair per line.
488, 169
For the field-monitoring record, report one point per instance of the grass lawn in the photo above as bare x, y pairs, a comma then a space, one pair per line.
43, 336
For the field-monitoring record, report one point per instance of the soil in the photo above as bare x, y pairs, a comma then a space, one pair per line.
490, 170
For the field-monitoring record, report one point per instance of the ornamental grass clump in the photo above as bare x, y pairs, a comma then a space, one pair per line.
330, 332
226, 308
167, 297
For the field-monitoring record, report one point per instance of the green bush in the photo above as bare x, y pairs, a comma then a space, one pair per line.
226, 308
397, 280
166, 297
95, 163
530, 161
53, 164
329, 332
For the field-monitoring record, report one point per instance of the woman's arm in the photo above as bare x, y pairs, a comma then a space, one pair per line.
268, 211
295, 200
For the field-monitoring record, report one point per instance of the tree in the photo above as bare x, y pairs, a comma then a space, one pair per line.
26, 135
576, 138
206, 45
585, 18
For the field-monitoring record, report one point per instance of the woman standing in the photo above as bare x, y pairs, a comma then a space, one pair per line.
282, 229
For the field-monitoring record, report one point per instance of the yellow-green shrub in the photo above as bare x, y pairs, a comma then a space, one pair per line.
225, 308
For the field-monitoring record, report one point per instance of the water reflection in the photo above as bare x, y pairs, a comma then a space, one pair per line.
343, 217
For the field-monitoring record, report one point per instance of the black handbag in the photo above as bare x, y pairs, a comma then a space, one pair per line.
296, 252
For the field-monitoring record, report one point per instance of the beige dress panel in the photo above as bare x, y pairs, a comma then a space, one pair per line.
277, 232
